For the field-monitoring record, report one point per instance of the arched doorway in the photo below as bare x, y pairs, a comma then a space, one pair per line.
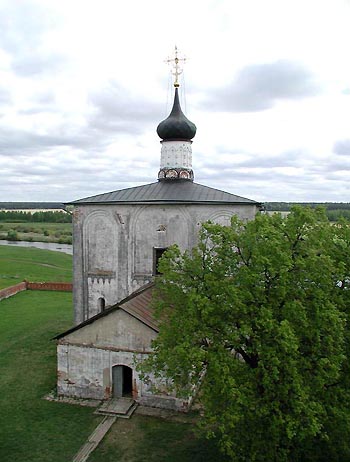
122, 381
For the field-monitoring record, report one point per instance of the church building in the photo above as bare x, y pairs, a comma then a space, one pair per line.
118, 238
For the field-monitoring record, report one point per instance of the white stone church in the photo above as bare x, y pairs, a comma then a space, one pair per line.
118, 238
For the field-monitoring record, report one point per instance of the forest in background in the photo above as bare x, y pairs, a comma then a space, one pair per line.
8, 216
334, 210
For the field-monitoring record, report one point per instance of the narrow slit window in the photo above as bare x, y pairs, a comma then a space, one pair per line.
101, 302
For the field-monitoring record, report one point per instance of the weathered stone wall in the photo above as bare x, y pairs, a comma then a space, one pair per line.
86, 358
118, 331
86, 372
114, 245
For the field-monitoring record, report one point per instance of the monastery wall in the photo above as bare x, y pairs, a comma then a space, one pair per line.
13, 290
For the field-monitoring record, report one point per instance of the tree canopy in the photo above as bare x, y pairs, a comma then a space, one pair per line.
257, 314
35, 217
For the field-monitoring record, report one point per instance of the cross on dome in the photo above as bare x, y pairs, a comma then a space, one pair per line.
177, 70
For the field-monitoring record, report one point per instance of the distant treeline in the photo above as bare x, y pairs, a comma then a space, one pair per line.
36, 217
334, 210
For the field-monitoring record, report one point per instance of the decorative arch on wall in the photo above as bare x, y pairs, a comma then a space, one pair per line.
160, 230
100, 243
222, 217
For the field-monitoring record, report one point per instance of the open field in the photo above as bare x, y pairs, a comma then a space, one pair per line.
36, 430
40, 232
18, 263
32, 429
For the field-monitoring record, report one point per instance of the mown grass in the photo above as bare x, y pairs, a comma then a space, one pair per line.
35, 430
32, 429
40, 232
19, 263
150, 439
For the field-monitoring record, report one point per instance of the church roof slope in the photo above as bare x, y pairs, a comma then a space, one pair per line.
162, 192
138, 304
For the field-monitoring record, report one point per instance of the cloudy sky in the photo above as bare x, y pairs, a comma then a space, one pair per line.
83, 85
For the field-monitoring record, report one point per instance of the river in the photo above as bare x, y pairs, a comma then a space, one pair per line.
65, 248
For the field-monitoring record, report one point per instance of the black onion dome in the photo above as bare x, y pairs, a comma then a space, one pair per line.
176, 126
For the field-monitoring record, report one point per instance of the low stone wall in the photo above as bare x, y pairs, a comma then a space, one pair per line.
25, 285
60, 286
13, 290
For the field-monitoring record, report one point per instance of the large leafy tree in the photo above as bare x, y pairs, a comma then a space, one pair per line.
257, 315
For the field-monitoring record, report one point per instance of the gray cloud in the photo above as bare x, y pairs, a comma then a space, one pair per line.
258, 87
342, 147
68, 174
41, 102
284, 159
25, 143
291, 158
23, 26
38, 62
5, 96
117, 110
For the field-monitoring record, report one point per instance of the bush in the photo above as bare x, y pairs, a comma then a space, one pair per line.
12, 235
65, 240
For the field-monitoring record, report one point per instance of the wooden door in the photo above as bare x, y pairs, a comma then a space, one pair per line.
117, 380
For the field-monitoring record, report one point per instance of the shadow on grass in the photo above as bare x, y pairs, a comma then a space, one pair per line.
142, 439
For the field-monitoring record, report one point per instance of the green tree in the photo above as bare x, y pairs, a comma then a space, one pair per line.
257, 314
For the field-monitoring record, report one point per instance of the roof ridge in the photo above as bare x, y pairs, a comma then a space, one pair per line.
167, 192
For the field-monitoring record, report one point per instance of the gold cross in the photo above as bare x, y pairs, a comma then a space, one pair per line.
177, 70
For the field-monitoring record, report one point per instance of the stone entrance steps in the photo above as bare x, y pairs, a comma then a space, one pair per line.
118, 407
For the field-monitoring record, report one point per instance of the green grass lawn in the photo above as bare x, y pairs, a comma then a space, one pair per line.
35, 430
19, 263
150, 439
32, 429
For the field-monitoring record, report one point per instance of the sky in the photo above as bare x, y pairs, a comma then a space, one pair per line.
84, 84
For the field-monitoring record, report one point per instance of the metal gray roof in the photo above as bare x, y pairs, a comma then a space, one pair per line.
162, 192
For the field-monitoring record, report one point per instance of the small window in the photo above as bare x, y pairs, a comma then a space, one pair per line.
157, 254
101, 303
